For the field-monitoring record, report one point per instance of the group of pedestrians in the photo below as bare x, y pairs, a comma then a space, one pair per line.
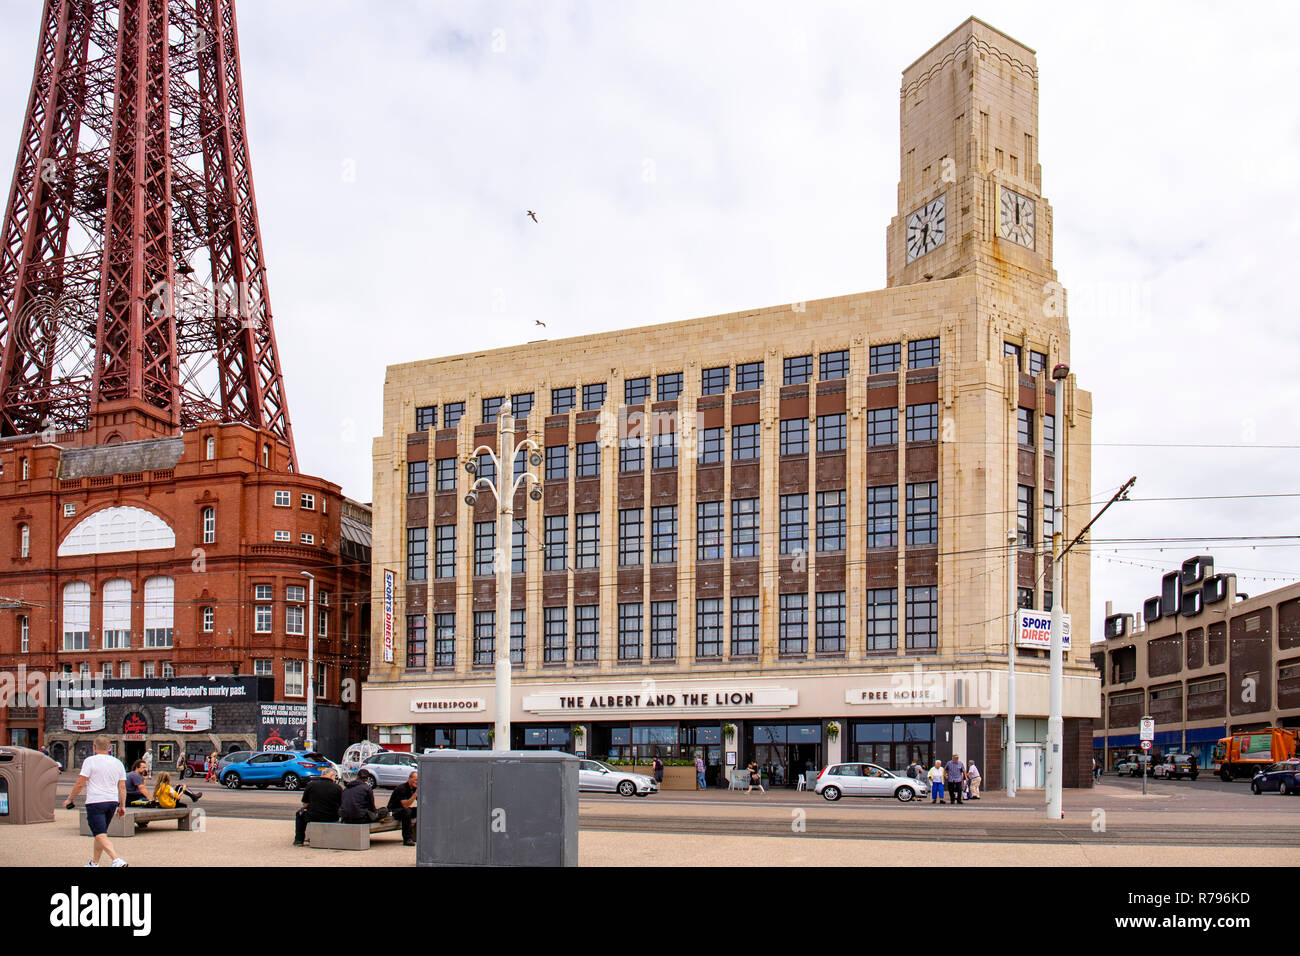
324, 801
960, 780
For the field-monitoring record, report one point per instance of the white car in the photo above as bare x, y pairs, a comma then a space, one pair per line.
866, 780
601, 777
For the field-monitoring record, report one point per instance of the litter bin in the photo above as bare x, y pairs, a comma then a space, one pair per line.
28, 784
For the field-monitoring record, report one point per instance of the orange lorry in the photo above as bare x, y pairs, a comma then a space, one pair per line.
1246, 753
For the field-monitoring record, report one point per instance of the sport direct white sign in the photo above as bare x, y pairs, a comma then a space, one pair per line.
188, 721
1034, 629
425, 705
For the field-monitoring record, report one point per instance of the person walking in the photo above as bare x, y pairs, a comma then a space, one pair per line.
104, 779
180, 765
755, 780
973, 780
699, 773
659, 771
148, 762
213, 760
954, 777
936, 782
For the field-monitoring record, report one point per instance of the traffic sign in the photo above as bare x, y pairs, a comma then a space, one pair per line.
1148, 731
1146, 745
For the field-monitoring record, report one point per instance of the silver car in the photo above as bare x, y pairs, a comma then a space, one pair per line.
867, 780
601, 777
389, 769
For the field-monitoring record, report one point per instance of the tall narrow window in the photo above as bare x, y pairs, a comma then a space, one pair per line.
832, 432
922, 512
25, 634
24, 541
417, 477
484, 637
794, 524
557, 462
556, 635
712, 445
708, 627
444, 640
587, 540
830, 622
519, 546
211, 449
629, 632
159, 611
792, 635
1024, 515
444, 555
416, 642
209, 525
882, 427
923, 422
586, 633
485, 544
708, 531
293, 678
744, 442
882, 516
663, 630
794, 436
116, 632
663, 531
426, 417
831, 520
556, 541
417, 546
209, 619
744, 527
630, 531
517, 642
744, 626
882, 619
922, 618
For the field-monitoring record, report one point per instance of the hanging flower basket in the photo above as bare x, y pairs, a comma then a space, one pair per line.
832, 731
729, 731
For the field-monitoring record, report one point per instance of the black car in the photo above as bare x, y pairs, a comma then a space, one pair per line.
1134, 765
1176, 766
1283, 777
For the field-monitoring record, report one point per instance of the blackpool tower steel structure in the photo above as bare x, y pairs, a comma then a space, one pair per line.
132, 274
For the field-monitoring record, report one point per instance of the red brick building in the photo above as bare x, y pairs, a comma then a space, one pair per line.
173, 557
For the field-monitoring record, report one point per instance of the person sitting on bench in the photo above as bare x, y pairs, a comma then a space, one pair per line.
359, 804
170, 799
136, 794
320, 804
402, 805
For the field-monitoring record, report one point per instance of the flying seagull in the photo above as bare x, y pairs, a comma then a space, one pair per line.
539, 322
532, 215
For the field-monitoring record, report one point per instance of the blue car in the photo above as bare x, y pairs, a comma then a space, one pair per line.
274, 768
1283, 777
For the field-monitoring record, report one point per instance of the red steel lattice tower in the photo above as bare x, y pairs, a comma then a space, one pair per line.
133, 293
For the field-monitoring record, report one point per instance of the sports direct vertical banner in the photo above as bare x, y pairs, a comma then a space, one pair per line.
390, 582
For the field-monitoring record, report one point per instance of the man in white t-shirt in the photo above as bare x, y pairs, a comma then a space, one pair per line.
104, 780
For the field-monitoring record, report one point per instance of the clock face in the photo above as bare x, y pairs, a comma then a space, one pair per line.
926, 228
1017, 218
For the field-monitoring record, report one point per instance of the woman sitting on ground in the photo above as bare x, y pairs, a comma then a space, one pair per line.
169, 799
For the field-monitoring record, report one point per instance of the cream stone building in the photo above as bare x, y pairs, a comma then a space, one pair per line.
777, 535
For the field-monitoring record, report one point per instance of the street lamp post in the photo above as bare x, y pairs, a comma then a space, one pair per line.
504, 492
311, 659
1055, 734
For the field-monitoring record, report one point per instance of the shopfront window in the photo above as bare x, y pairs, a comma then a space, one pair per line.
546, 738
894, 744
785, 751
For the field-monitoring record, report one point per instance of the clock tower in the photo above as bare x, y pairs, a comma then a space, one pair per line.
970, 188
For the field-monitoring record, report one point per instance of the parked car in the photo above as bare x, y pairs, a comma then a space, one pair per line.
1284, 777
866, 780
1176, 766
1134, 765
387, 769
602, 778
285, 768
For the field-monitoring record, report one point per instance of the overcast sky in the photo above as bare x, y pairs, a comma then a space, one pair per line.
688, 159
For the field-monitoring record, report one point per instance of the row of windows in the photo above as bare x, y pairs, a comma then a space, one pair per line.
921, 528
1024, 513
829, 634
797, 370
831, 436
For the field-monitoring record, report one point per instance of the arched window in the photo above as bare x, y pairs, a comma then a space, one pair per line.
209, 525
159, 611
117, 614
266, 456
24, 541
115, 529
76, 616
25, 470
212, 448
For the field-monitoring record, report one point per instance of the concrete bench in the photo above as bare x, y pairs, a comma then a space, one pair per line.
347, 836
121, 827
